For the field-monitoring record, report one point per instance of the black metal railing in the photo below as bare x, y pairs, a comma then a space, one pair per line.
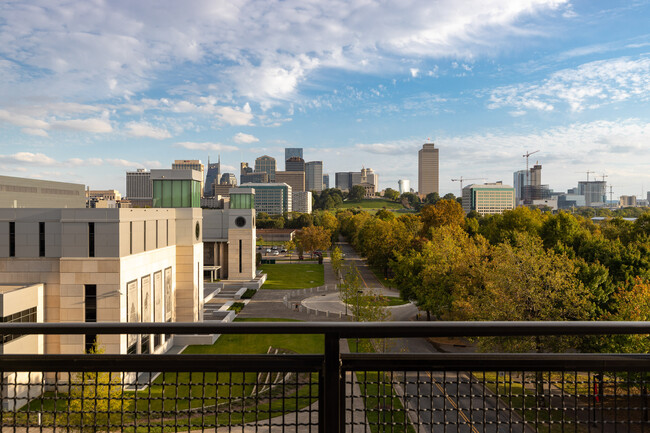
330, 391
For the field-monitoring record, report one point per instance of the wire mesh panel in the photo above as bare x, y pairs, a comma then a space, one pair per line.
496, 401
168, 401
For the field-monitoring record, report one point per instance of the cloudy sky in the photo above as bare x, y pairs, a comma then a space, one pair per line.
93, 88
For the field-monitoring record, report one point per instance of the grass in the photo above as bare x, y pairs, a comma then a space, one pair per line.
248, 294
371, 204
386, 301
236, 403
237, 307
282, 276
380, 277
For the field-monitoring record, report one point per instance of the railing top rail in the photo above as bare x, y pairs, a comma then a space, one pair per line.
341, 330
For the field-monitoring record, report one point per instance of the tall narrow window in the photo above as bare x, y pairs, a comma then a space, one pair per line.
90, 309
131, 237
156, 234
41, 239
91, 239
12, 239
144, 233
240, 256
167, 233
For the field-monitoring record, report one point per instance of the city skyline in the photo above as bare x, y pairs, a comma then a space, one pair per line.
90, 93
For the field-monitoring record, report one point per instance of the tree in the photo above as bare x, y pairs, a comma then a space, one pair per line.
391, 194
449, 196
357, 193
96, 401
431, 198
444, 212
313, 238
410, 200
336, 259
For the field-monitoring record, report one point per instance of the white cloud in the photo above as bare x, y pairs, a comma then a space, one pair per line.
143, 129
85, 125
414, 72
35, 131
256, 49
242, 138
235, 117
22, 120
122, 163
207, 146
588, 86
28, 158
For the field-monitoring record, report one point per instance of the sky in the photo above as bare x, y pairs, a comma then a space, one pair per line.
90, 89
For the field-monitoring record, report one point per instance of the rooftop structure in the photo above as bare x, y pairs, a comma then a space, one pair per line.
21, 192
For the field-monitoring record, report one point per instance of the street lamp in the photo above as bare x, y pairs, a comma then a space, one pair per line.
358, 318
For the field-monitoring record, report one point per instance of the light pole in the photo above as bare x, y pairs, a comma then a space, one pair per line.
358, 318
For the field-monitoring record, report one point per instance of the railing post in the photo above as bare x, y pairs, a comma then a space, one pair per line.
331, 399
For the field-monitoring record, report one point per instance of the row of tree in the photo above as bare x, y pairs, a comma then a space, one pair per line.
521, 265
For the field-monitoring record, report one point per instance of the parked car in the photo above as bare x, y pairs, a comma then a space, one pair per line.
275, 247
283, 250
268, 250
276, 253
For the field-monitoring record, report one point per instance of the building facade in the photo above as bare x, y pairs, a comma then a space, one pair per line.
176, 188
138, 187
213, 174
428, 170
190, 164
326, 181
295, 179
314, 176
488, 198
292, 152
404, 185
19, 192
271, 198
294, 164
302, 201
266, 164
595, 192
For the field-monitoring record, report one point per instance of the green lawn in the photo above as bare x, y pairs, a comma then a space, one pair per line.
371, 204
293, 276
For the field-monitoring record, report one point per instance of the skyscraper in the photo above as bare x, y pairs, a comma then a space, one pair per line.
290, 152
295, 163
213, 174
326, 181
314, 176
428, 179
139, 189
266, 164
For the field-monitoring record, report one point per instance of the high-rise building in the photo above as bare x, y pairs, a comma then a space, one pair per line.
254, 178
326, 181
595, 192
488, 198
295, 179
228, 179
428, 179
295, 163
342, 180
302, 201
138, 187
271, 198
244, 168
190, 164
528, 186
291, 152
214, 174
314, 176
266, 164
404, 185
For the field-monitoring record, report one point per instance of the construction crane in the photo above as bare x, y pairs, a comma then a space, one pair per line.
526, 156
604, 176
611, 196
588, 172
463, 179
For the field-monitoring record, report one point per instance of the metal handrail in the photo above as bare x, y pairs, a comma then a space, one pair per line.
342, 330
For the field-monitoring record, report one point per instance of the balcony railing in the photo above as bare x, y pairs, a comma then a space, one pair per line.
330, 391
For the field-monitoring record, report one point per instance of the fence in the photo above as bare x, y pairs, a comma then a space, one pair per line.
329, 391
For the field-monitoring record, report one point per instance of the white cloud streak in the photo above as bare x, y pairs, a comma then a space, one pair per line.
242, 138
143, 129
207, 146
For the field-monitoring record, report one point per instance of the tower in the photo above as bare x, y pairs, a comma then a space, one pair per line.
428, 176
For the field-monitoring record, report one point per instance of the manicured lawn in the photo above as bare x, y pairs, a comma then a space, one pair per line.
293, 276
371, 204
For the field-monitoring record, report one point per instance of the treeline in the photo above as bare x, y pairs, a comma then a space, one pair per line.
522, 265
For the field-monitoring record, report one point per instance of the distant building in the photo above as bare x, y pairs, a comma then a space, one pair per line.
228, 179
18, 192
190, 164
271, 198
488, 198
346, 180
326, 181
294, 163
138, 187
342, 181
213, 175
595, 192
428, 179
105, 199
627, 201
568, 201
302, 201
314, 176
404, 185
528, 186
368, 176
292, 152
254, 178
295, 179
266, 164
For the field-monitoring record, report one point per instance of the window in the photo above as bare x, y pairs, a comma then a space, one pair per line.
91, 239
144, 234
28, 315
240, 256
41, 239
12, 239
90, 309
156, 234
131, 237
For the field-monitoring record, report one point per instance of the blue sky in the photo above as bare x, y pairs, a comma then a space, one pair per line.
91, 89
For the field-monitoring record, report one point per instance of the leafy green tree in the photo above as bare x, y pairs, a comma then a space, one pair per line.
410, 200
336, 259
96, 401
357, 193
431, 198
313, 238
449, 196
391, 194
444, 212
